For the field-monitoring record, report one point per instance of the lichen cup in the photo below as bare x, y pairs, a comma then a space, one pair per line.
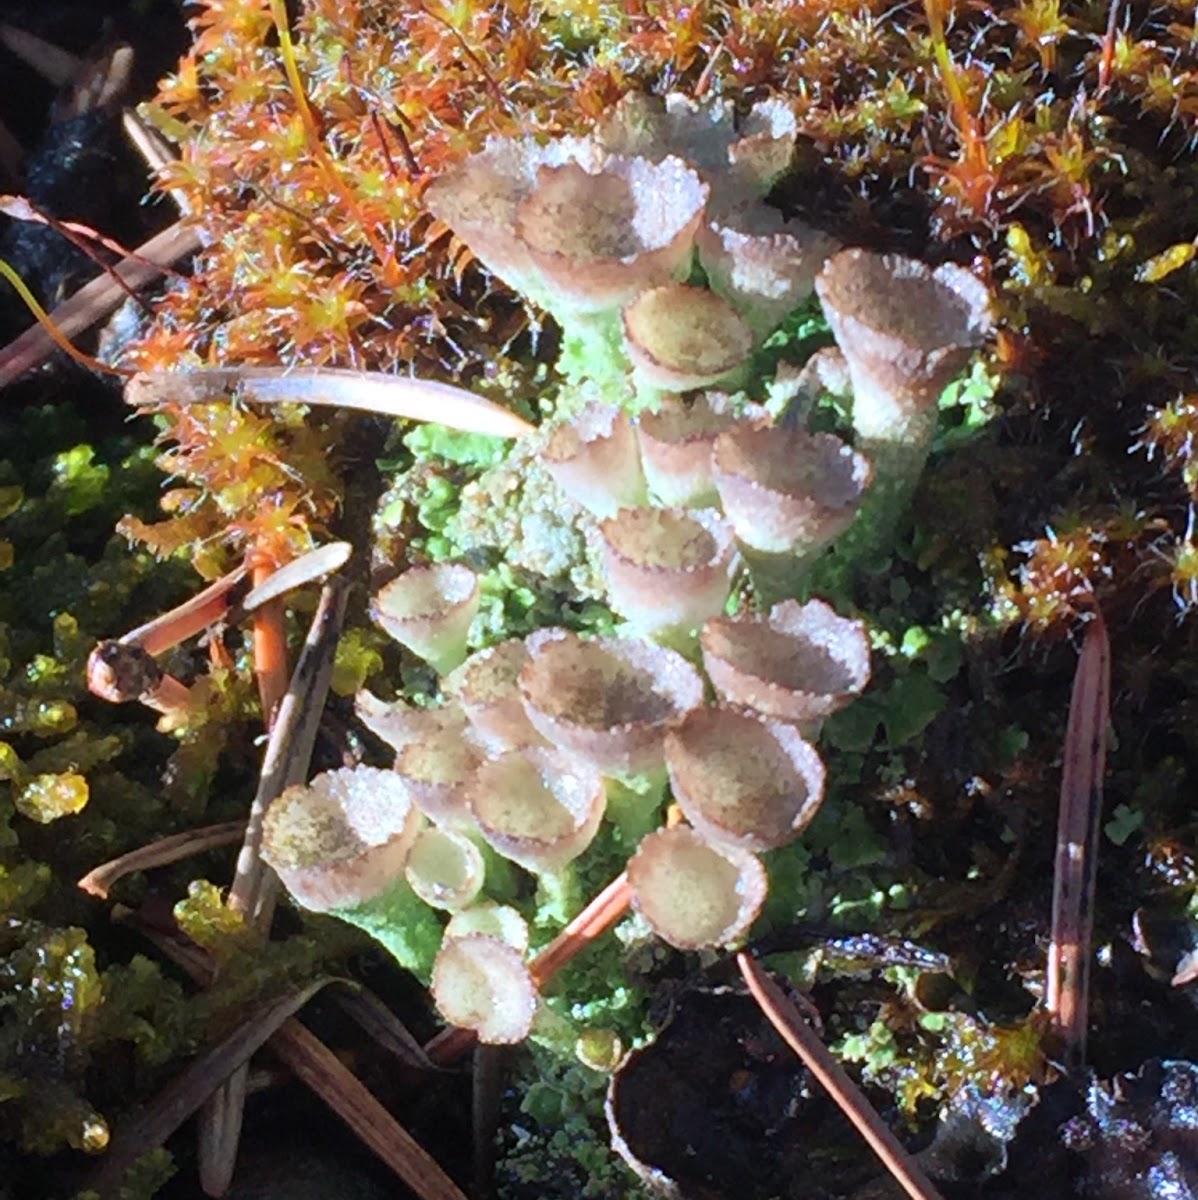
692, 893
676, 441
486, 686
905, 329
667, 569
743, 780
607, 700
537, 806
340, 844
430, 610
788, 494
798, 662
481, 982
594, 459
680, 337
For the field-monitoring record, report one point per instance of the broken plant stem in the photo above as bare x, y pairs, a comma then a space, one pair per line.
309, 1060
50, 61
117, 672
189, 618
1068, 983
270, 648
786, 1019
123, 669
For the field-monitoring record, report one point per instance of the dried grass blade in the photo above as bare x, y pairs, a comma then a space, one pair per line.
180, 1098
318, 1067
1068, 985
255, 887
786, 1019
161, 853
97, 299
400, 396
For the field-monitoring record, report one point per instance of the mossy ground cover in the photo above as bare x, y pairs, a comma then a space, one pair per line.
1047, 145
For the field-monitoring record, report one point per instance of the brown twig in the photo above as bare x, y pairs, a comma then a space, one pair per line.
309, 1060
1107, 62
1067, 995
317, 1066
51, 62
785, 1018
180, 1098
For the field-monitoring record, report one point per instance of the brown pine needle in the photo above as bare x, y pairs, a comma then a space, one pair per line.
401, 396
97, 299
316, 1065
255, 886
786, 1019
1067, 993
99, 880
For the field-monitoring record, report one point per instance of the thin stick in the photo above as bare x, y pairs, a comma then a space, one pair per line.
785, 1018
161, 853
51, 62
255, 887
308, 1058
1067, 994
156, 151
598, 917
270, 648
1107, 62
187, 619
20, 208
47, 325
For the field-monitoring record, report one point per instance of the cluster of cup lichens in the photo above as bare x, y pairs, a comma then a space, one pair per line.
530, 739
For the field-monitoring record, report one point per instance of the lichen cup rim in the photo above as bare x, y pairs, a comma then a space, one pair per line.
797, 662
565, 669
